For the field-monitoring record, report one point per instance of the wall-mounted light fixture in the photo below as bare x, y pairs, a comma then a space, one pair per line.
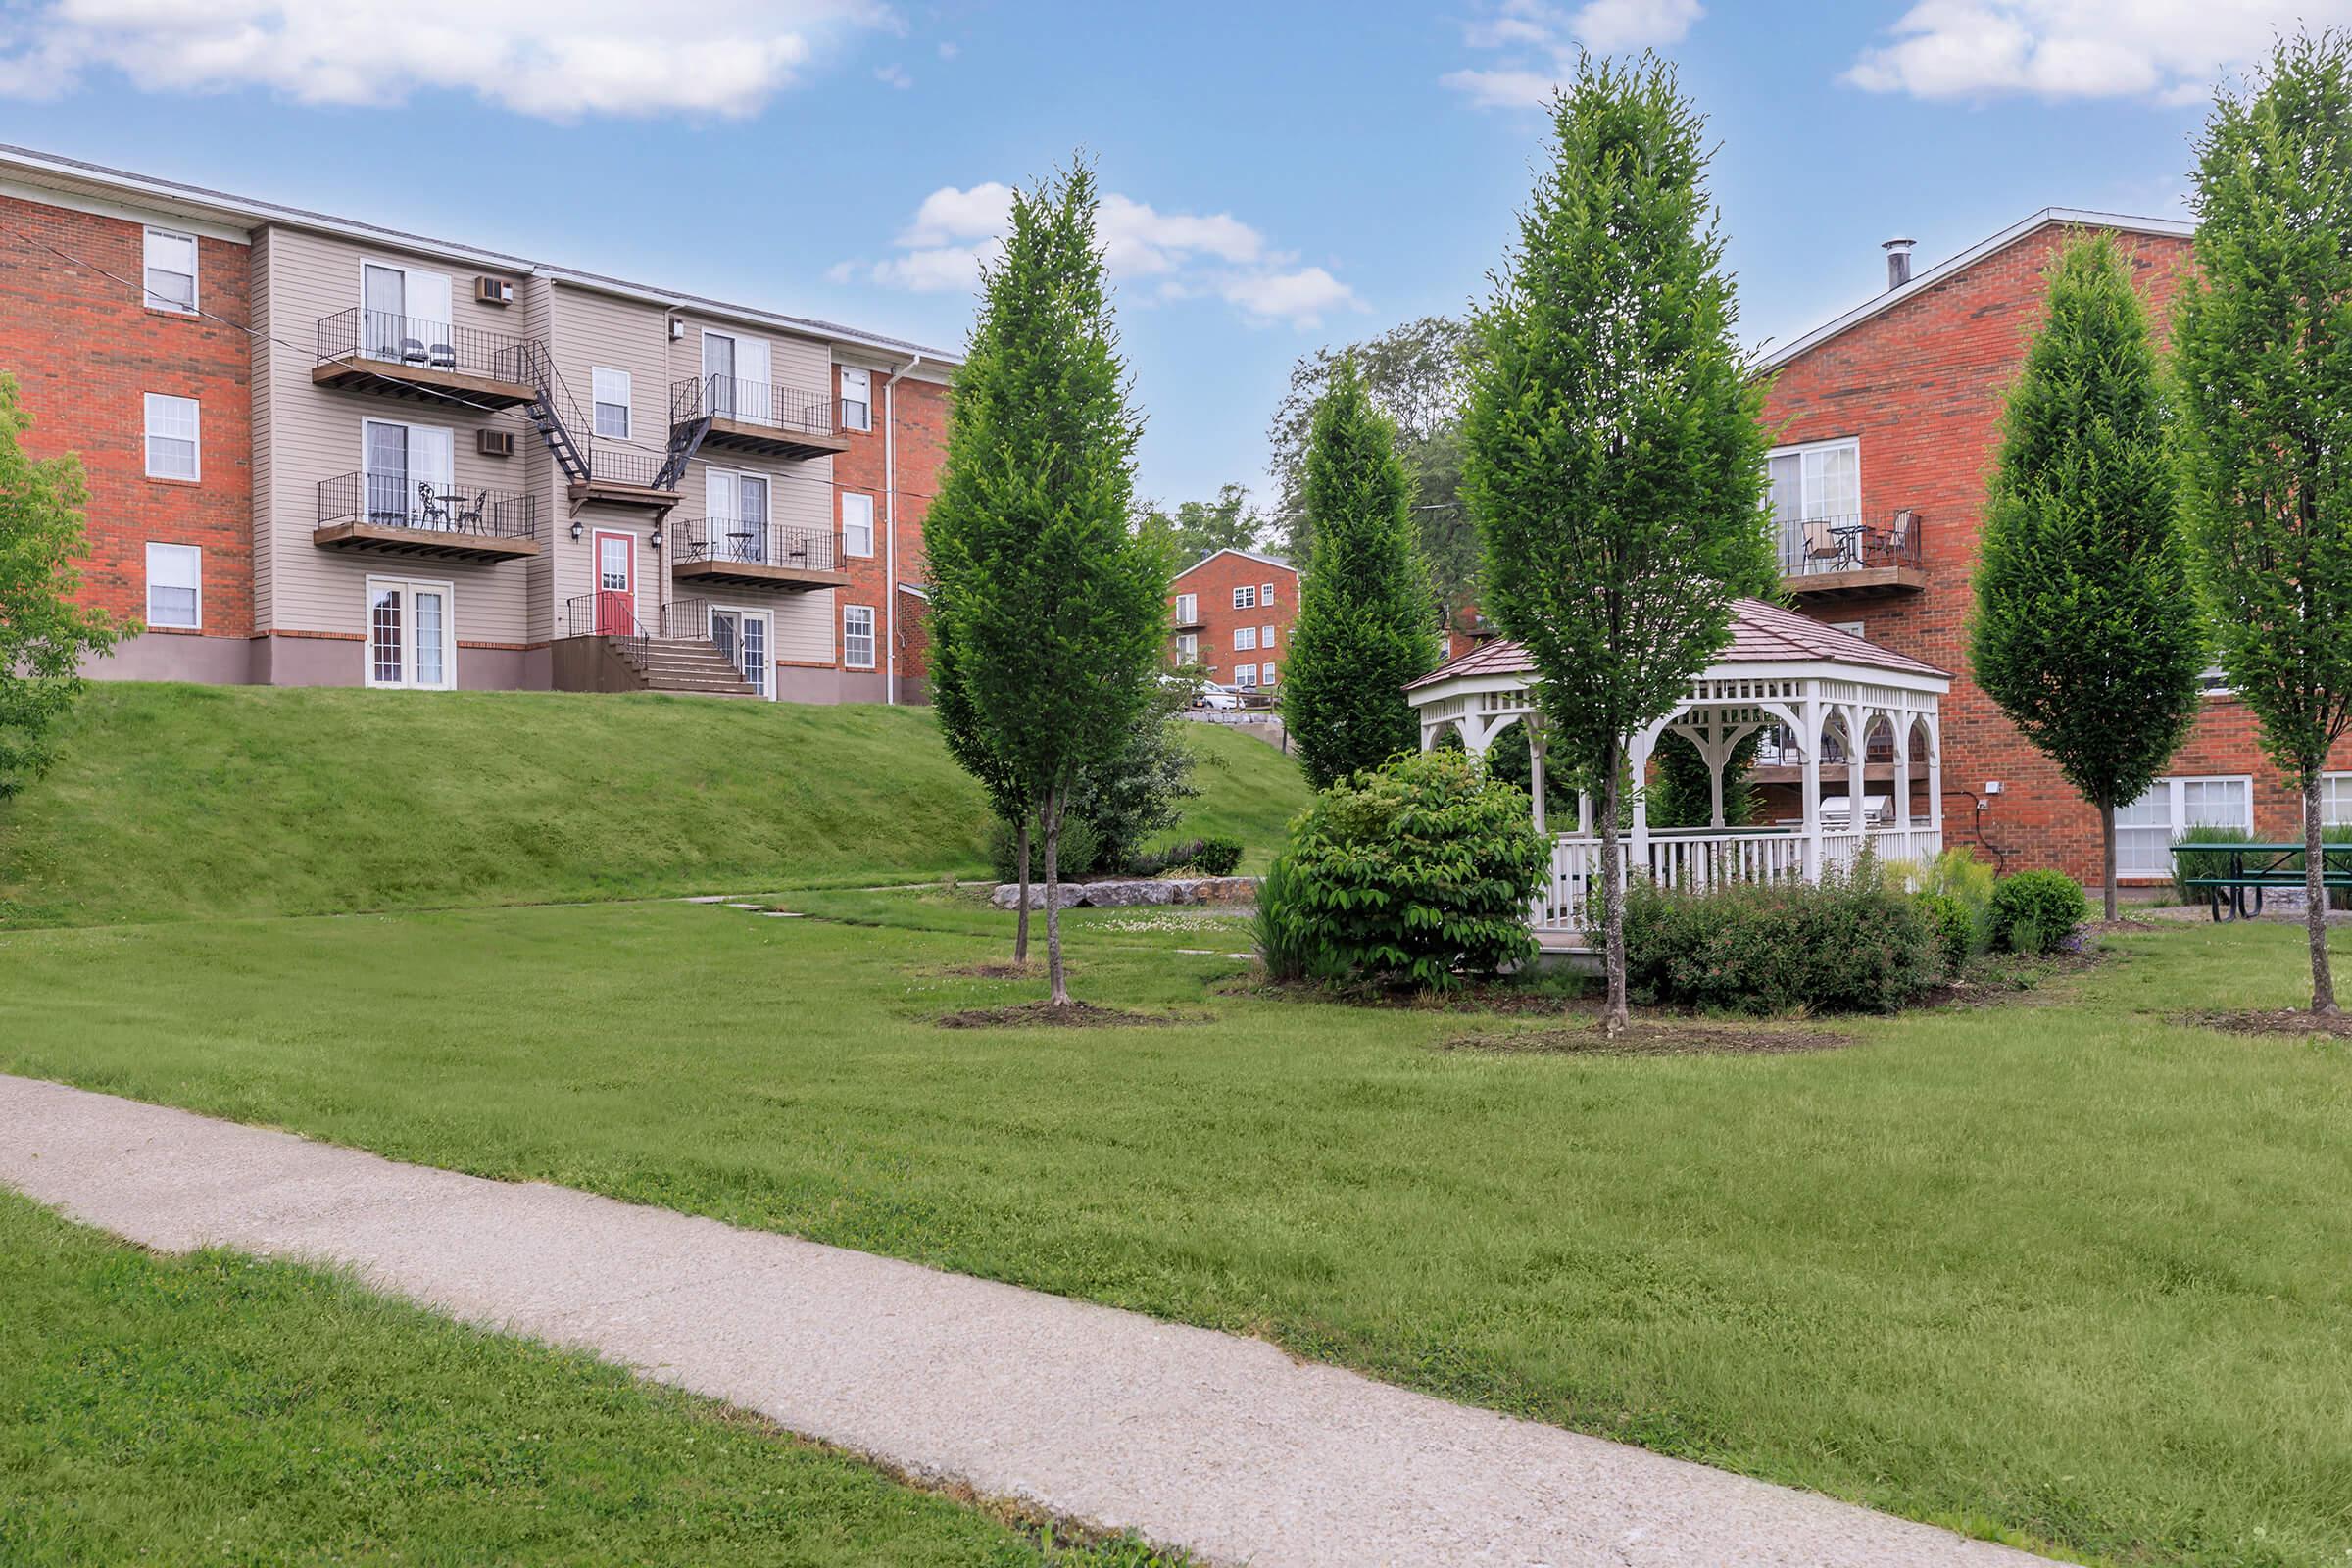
657, 536
576, 531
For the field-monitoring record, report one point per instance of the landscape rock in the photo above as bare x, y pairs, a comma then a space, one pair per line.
1008, 895
1134, 892
1122, 895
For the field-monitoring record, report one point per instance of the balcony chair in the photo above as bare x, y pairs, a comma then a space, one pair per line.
411, 350
435, 510
469, 518
441, 356
1821, 545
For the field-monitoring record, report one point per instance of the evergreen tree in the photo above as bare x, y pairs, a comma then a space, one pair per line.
2087, 627
1048, 608
1364, 626
1613, 455
2264, 359
44, 635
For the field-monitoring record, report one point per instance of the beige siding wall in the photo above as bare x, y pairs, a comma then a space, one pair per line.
799, 494
315, 434
263, 323
587, 329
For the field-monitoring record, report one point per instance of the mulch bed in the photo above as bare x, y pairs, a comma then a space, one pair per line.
987, 972
1030, 1014
2003, 981
2273, 1021
1649, 1039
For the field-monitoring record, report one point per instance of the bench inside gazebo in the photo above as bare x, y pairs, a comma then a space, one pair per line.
1850, 753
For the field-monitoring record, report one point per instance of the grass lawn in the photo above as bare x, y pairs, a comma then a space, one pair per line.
216, 1409
2062, 1272
174, 801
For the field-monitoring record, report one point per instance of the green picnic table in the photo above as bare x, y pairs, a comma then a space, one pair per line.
2234, 877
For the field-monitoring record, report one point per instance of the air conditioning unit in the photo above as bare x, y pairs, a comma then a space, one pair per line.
494, 291
494, 442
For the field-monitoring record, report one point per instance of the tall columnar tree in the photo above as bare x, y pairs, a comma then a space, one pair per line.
1050, 610
1613, 456
1364, 626
2086, 630
2265, 360
951, 702
44, 635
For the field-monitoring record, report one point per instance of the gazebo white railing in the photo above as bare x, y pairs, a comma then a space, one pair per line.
1809, 686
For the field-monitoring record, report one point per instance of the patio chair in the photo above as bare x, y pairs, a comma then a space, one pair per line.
441, 356
411, 350
1820, 544
1901, 542
434, 514
470, 517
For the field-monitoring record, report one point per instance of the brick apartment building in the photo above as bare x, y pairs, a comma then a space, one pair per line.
321, 452
1230, 612
1888, 424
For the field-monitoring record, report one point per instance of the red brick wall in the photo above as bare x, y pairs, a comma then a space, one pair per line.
85, 351
1921, 387
1213, 581
920, 413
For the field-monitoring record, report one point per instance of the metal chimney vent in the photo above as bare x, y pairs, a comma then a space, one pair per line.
1899, 261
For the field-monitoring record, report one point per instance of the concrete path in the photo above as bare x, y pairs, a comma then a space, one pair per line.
1221, 1445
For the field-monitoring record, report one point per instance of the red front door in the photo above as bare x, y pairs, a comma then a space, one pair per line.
615, 583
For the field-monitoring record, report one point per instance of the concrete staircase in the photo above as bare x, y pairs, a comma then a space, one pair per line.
692, 665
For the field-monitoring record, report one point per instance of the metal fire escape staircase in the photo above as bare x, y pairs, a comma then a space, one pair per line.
555, 415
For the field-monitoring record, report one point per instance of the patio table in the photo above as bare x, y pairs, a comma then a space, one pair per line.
2234, 889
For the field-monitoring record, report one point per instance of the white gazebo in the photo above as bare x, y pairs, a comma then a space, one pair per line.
1851, 727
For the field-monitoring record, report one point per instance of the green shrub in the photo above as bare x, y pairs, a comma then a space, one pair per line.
1954, 928
2036, 911
1286, 941
1416, 873
1959, 874
1080, 850
1850, 944
1214, 855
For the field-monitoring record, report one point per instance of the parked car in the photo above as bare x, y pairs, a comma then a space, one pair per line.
1217, 697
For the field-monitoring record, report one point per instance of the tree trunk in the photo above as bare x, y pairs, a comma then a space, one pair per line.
1020, 930
2107, 854
1615, 1020
2315, 894
1060, 996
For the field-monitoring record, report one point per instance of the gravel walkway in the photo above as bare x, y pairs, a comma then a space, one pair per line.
1224, 1445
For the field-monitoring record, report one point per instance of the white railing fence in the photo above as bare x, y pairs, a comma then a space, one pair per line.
1702, 860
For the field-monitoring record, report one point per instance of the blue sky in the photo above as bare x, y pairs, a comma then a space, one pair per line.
1284, 176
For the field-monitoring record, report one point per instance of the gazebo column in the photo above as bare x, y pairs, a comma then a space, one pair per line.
1812, 789
1583, 812
1902, 770
1935, 774
1718, 756
1637, 764
1535, 769
1857, 749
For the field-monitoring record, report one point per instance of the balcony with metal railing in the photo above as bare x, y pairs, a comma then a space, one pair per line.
751, 554
755, 417
392, 514
1826, 559
432, 362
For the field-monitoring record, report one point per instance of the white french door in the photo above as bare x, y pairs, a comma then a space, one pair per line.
743, 635
409, 473
412, 634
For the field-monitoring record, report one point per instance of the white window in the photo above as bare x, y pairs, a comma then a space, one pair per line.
1816, 490
175, 586
1852, 628
2145, 829
171, 271
1265, 595
856, 523
1265, 675
2335, 798
1265, 636
2214, 681
1246, 676
404, 315
1187, 647
412, 638
1187, 609
857, 398
611, 390
410, 476
1245, 639
857, 637
1245, 597
173, 446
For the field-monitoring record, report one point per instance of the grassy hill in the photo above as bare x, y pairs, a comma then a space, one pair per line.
172, 801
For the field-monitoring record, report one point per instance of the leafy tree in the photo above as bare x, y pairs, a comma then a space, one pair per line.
2264, 339
1613, 457
44, 635
2087, 627
1049, 608
1139, 789
1418, 375
1682, 793
967, 742
1198, 528
1364, 627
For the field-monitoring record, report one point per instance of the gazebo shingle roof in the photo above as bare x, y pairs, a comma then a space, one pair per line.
1761, 634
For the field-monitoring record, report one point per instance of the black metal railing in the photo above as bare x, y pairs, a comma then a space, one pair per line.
1814, 546
757, 544
793, 409
612, 464
415, 343
396, 501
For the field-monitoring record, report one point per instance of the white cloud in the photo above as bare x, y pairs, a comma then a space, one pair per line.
1540, 41
1186, 255
591, 57
2172, 50
894, 75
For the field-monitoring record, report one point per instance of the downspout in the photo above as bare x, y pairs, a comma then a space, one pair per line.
890, 526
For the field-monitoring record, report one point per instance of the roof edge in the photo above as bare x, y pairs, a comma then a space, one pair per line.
1259, 556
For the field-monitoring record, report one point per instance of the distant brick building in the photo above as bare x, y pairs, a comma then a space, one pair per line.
1888, 420
1231, 612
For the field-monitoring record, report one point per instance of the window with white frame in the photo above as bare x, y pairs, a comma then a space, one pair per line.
172, 443
2336, 800
1187, 609
170, 266
412, 634
1245, 676
1265, 636
1265, 675
1815, 489
176, 586
611, 390
1852, 628
2214, 681
1265, 595
1245, 597
2145, 829
1245, 639
856, 523
857, 637
857, 398
1187, 647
